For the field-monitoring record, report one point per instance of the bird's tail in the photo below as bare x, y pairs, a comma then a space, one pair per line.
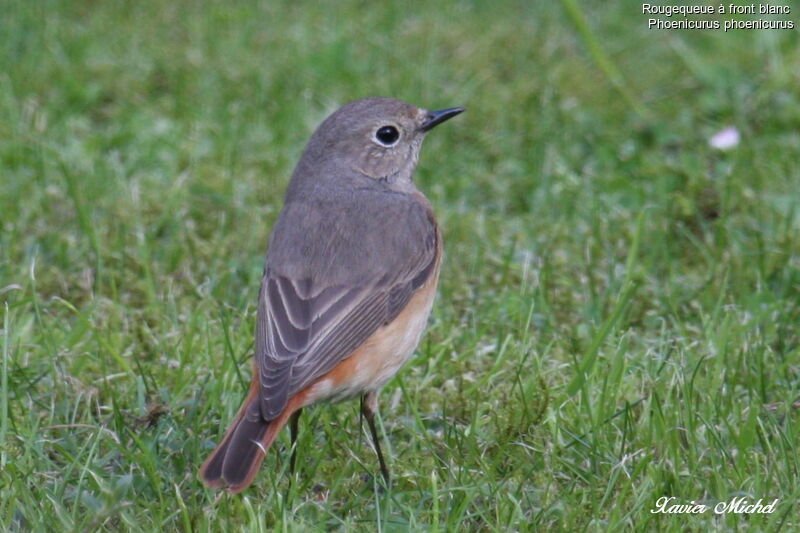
235, 460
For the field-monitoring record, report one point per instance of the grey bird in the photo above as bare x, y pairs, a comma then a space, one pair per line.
349, 281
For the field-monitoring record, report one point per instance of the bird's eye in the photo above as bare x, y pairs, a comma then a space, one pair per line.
387, 135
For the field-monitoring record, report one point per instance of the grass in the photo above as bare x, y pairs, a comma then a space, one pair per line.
619, 306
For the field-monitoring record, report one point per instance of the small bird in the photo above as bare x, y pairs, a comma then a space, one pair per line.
349, 281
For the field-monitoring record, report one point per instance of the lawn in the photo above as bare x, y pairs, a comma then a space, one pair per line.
619, 309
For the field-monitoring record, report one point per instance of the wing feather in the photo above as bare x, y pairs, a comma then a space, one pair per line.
313, 313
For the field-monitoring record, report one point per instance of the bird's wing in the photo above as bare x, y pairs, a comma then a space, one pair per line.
310, 319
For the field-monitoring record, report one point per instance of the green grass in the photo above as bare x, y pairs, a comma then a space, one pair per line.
619, 306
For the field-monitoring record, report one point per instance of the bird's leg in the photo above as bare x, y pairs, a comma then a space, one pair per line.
293, 422
369, 406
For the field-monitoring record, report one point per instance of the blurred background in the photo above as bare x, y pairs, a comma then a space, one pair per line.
619, 307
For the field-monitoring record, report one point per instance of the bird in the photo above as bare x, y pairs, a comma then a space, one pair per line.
349, 280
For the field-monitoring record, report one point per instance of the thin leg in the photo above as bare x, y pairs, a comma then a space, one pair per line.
369, 403
293, 422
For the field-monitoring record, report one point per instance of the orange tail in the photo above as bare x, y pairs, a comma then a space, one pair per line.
235, 460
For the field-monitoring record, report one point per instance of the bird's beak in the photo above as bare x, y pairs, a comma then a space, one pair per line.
434, 118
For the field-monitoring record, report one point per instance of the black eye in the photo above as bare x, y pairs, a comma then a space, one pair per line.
387, 135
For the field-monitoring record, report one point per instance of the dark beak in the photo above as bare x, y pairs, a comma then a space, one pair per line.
435, 118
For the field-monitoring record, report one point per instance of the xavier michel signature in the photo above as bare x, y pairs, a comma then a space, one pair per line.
669, 505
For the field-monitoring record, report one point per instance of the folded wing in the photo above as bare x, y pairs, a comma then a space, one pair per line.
314, 314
